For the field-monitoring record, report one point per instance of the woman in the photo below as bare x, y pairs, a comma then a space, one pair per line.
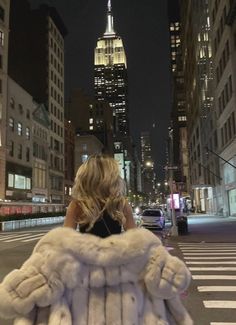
99, 206
77, 278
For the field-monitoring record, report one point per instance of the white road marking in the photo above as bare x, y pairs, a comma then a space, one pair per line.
31, 239
210, 257
213, 277
12, 236
25, 237
209, 253
226, 268
219, 304
208, 250
216, 288
210, 262
222, 323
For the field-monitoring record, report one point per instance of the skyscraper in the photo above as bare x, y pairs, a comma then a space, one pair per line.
174, 29
110, 75
36, 63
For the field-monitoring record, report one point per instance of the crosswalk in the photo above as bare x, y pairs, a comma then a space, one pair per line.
213, 267
24, 237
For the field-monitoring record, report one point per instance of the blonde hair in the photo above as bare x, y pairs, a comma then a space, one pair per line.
99, 187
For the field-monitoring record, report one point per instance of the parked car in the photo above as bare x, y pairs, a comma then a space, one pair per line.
153, 219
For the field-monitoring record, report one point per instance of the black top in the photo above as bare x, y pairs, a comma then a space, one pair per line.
103, 227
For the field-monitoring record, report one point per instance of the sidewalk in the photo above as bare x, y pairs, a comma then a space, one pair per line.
207, 228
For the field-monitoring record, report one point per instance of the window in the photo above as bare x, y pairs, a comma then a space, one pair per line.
2, 13
27, 154
19, 151
84, 158
1, 37
12, 103
11, 149
28, 113
27, 133
10, 180
19, 128
20, 108
11, 123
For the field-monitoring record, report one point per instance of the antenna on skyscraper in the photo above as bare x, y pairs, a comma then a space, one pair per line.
109, 5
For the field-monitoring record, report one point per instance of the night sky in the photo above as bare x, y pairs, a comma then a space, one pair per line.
143, 26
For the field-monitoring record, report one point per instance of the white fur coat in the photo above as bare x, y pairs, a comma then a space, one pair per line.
79, 279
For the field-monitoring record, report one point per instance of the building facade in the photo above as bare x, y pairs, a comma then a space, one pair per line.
148, 174
91, 116
198, 79
223, 20
41, 144
110, 75
19, 160
37, 36
178, 135
4, 30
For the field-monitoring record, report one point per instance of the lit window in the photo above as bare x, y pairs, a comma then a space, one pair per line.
19, 128
11, 123
27, 133
10, 180
90, 127
91, 121
84, 158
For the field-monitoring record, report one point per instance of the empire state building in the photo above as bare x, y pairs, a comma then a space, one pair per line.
110, 75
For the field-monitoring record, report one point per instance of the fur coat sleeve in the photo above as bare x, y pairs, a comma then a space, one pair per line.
79, 279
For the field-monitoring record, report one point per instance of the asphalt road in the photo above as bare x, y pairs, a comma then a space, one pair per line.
209, 250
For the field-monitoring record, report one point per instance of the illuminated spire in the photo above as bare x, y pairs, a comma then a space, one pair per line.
109, 27
109, 5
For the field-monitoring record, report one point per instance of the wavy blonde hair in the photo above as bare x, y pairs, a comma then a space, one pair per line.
99, 187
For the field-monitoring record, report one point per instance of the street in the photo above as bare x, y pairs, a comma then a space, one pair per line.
209, 250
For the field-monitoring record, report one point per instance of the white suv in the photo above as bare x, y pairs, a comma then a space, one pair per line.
153, 218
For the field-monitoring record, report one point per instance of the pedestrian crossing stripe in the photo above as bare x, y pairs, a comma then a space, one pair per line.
229, 304
23, 237
216, 288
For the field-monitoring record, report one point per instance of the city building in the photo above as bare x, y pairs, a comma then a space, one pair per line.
85, 146
37, 36
198, 78
19, 158
41, 138
178, 135
174, 30
148, 174
91, 116
4, 30
110, 75
223, 148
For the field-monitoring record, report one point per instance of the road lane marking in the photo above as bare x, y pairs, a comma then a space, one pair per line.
219, 304
207, 250
210, 262
213, 277
31, 239
216, 288
209, 253
12, 236
219, 268
210, 257
25, 237
206, 243
222, 323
